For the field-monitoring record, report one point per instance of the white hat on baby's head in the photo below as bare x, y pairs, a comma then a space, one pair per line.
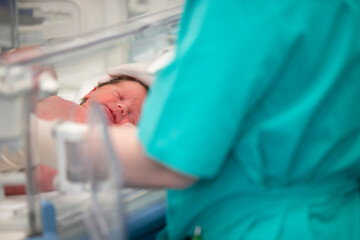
135, 70
144, 71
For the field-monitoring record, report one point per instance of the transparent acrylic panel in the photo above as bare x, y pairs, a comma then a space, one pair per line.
138, 7
17, 100
31, 22
104, 218
41, 88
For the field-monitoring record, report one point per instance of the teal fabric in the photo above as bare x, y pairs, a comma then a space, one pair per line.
261, 105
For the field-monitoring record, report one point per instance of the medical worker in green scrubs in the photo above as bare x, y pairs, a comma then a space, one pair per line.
255, 126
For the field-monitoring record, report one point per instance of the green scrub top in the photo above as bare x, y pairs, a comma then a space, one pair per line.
261, 104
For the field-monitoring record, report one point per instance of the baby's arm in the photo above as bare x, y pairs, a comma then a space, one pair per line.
55, 107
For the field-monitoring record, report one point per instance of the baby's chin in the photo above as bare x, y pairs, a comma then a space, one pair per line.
125, 124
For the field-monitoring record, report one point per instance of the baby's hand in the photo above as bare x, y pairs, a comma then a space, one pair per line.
44, 176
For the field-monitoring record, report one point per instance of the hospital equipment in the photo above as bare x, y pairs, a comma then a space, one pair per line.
87, 203
25, 22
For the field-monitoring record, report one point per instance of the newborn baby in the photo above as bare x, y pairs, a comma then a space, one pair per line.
121, 100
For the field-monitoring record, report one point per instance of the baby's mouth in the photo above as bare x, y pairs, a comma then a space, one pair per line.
110, 114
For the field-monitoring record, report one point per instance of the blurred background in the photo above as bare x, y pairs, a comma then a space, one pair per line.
28, 22
48, 188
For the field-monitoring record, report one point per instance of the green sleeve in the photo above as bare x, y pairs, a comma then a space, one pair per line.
195, 109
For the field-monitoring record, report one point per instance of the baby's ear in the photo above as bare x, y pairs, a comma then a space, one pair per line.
89, 93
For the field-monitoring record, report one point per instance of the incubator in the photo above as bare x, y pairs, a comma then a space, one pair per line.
28, 22
72, 179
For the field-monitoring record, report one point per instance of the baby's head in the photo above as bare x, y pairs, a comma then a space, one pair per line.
121, 99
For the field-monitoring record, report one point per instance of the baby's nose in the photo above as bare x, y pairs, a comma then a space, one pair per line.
123, 109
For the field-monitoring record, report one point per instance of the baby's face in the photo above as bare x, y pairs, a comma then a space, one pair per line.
121, 102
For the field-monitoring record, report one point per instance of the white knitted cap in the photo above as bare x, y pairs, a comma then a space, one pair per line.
135, 70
